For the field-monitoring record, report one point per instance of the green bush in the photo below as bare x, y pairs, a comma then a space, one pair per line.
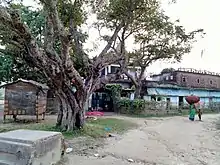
115, 93
127, 106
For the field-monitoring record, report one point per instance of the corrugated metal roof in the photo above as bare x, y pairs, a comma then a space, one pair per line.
152, 91
156, 84
37, 84
182, 92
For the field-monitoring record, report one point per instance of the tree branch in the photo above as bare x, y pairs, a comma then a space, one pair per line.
102, 81
49, 41
65, 38
51, 7
111, 40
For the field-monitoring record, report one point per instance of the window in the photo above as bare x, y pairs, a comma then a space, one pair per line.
184, 79
198, 81
114, 69
167, 78
171, 77
210, 81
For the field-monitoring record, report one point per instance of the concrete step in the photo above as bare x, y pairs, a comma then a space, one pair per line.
20, 147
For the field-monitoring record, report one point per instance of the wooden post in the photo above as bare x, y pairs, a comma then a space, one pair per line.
37, 106
6, 110
36, 110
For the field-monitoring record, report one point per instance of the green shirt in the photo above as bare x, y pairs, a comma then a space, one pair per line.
192, 111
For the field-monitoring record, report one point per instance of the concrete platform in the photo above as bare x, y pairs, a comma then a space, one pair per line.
27, 147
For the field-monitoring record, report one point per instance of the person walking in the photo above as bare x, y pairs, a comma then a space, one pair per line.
199, 111
199, 114
192, 112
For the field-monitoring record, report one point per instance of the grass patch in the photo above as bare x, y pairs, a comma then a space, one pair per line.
98, 128
93, 128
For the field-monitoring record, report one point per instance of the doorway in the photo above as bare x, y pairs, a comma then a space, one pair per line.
210, 103
168, 104
101, 101
181, 101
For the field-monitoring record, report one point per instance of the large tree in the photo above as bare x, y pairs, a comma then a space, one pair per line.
50, 54
12, 66
156, 37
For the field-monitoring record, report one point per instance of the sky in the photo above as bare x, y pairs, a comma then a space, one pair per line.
193, 14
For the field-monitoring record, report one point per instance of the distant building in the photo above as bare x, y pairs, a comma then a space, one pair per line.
101, 99
190, 78
114, 67
174, 85
171, 86
124, 80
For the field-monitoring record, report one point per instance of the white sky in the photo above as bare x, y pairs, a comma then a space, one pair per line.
193, 14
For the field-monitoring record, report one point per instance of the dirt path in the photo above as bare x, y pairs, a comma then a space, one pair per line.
168, 141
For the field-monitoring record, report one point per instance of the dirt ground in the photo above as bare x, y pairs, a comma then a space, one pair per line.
158, 141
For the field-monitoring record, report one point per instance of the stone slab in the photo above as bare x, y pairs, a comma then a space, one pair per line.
27, 136
28, 147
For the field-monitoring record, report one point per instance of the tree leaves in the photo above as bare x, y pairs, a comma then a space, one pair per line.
35, 20
71, 12
156, 36
5, 67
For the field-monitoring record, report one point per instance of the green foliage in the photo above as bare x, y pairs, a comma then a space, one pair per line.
12, 68
71, 11
133, 107
158, 37
72, 16
127, 11
115, 92
34, 19
12, 65
6, 64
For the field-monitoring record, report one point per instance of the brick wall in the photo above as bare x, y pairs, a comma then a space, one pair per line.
197, 80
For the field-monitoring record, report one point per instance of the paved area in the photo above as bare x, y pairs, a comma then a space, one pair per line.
167, 141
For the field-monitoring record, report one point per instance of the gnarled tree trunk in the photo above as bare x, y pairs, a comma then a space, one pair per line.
71, 114
137, 93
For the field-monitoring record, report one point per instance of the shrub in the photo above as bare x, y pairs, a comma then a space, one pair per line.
115, 92
127, 106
